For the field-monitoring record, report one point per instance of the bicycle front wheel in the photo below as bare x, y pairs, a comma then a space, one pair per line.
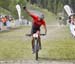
36, 48
36, 54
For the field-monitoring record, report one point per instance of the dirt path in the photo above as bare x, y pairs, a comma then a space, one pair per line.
36, 62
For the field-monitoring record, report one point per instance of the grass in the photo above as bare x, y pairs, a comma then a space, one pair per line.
62, 47
15, 45
61, 50
14, 49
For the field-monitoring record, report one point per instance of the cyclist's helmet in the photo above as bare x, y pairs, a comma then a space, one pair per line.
41, 16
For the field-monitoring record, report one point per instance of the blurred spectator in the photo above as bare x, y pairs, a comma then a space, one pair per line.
8, 24
0, 24
60, 20
3, 19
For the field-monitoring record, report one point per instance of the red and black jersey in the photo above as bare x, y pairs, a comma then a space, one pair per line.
36, 22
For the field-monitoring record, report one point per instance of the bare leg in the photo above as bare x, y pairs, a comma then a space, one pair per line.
32, 43
39, 42
39, 39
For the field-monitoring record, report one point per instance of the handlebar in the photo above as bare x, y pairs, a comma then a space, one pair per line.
31, 34
28, 34
42, 34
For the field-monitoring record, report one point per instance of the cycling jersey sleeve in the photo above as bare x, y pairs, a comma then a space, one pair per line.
33, 16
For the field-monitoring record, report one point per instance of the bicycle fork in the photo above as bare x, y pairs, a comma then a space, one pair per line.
36, 45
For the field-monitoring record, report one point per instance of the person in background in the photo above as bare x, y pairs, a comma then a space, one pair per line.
4, 20
8, 22
0, 24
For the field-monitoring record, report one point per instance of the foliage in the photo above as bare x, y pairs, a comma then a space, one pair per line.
54, 6
10, 5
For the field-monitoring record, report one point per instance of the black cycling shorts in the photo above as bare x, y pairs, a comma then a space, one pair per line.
34, 29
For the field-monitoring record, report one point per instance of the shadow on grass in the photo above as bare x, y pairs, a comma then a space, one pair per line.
11, 29
55, 59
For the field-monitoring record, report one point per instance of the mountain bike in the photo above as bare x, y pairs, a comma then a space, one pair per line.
36, 44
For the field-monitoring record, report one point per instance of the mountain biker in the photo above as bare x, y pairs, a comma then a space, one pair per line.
72, 24
72, 19
37, 22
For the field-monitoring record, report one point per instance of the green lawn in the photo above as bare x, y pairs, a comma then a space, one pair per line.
61, 46
15, 45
